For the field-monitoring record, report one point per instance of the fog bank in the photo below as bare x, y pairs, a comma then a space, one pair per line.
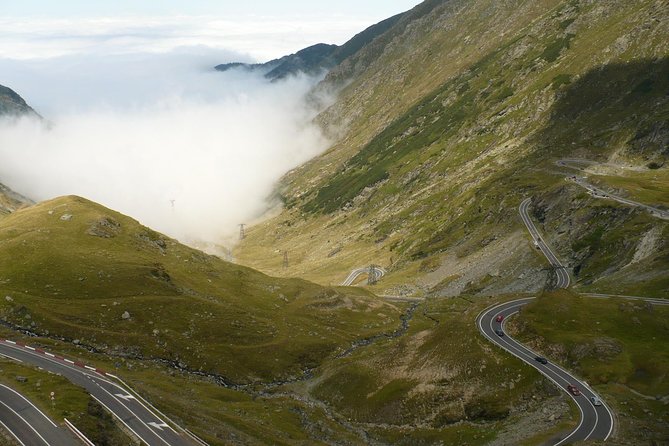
184, 150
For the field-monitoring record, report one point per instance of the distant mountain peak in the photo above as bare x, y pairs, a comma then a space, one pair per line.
11, 104
315, 59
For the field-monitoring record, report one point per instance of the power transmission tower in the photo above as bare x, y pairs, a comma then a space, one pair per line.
285, 259
242, 234
371, 275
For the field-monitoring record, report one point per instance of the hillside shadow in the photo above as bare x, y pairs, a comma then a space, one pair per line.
612, 106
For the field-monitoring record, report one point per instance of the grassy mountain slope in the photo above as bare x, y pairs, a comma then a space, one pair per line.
95, 276
459, 117
241, 357
614, 345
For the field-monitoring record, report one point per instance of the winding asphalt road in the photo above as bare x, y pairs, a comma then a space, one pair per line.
136, 416
563, 278
29, 425
376, 270
596, 421
600, 193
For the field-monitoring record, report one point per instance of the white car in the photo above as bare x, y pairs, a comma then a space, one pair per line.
595, 401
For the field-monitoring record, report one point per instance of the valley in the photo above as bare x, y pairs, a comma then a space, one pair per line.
480, 257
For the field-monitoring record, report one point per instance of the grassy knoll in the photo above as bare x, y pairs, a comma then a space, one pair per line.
441, 383
618, 346
73, 269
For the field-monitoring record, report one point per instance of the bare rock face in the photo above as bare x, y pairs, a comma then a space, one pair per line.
106, 227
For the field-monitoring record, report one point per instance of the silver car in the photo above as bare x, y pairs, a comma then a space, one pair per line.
595, 401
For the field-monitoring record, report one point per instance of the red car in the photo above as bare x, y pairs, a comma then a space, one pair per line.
573, 390
499, 318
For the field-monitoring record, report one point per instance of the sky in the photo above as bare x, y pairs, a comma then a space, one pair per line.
81, 8
137, 119
262, 29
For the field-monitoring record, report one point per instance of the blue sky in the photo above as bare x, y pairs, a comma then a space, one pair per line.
79, 8
251, 31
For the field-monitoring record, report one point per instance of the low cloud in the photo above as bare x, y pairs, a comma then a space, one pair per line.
140, 132
260, 37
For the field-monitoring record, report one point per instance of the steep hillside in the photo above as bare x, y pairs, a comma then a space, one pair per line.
243, 358
453, 117
95, 276
613, 345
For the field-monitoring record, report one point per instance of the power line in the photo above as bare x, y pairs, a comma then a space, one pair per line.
371, 275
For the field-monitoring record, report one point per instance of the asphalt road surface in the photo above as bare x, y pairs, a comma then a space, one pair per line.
600, 193
27, 424
132, 413
596, 421
563, 278
376, 270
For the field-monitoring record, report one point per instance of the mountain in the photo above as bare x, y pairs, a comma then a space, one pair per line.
445, 122
83, 266
315, 59
451, 119
442, 127
10, 201
11, 104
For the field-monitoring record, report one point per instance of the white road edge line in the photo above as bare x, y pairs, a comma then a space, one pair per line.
140, 399
139, 437
29, 402
479, 323
28, 424
135, 415
12, 433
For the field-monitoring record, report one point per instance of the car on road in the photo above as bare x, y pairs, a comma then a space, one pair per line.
595, 401
499, 318
499, 333
541, 359
573, 390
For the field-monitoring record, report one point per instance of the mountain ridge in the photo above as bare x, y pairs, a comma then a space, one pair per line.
316, 59
453, 138
13, 105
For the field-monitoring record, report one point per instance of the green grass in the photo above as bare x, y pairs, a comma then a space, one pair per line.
645, 187
441, 376
444, 173
555, 48
615, 345
184, 306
